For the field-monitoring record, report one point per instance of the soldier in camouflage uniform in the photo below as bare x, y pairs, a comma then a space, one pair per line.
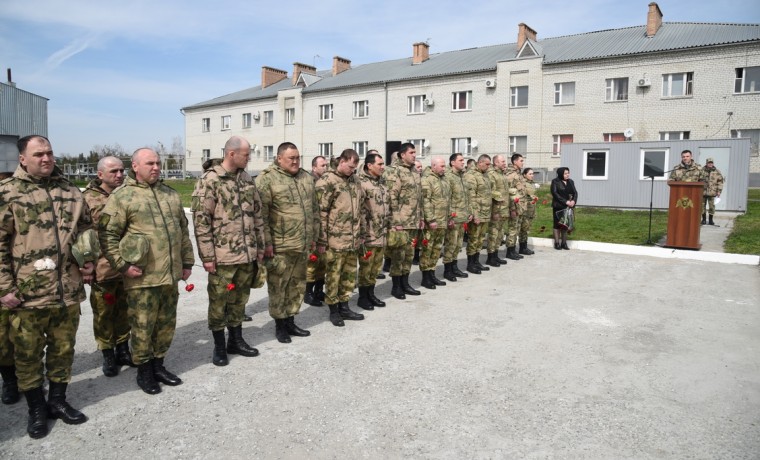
478, 187
517, 203
376, 214
460, 214
687, 170
499, 210
229, 233
340, 199
150, 214
10, 394
713, 188
405, 191
291, 227
107, 297
436, 211
531, 198
42, 215
315, 270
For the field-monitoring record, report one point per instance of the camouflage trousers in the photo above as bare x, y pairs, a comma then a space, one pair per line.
44, 333
525, 224
369, 268
430, 254
286, 282
6, 346
709, 204
477, 233
110, 323
153, 317
226, 307
401, 257
514, 230
340, 276
452, 243
495, 234
315, 271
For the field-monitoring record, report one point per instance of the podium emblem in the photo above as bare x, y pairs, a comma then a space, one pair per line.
684, 202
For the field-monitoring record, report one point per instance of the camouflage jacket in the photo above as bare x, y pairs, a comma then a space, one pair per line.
226, 208
691, 173
460, 199
436, 199
41, 218
340, 202
499, 195
713, 181
405, 191
289, 209
517, 190
155, 213
479, 189
531, 196
96, 199
376, 213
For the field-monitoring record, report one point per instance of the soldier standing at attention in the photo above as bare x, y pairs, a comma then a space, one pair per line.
479, 189
10, 394
315, 271
499, 210
143, 233
291, 227
41, 216
687, 170
517, 203
436, 199
461, 214
107, 296
340, 199
229, 233
713, 188
531, 199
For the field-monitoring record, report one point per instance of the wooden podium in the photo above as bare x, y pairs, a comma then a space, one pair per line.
685, 214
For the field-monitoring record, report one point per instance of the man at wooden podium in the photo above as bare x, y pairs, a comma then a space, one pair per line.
688, 170
685, 204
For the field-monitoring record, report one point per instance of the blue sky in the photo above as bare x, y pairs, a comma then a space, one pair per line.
119, 72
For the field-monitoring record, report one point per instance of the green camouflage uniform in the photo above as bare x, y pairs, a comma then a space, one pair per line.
41, 217
499, 207
315, 271
530, 210
517, 191
460, 212
107, 296
713, 187
229, 231
155, 213
405, 192
691, 173
6, 345
291, 226
478, 187
436, 208
376, 214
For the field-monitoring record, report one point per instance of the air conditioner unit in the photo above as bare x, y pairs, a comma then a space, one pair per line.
428, 102
491, 83
256, 116
644, 82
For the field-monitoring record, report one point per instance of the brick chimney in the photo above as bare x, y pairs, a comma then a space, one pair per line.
340, 65
421, 53
524, 32
305, 68
270, 76
654, 19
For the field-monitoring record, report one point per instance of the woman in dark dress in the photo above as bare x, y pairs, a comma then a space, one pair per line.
564, 195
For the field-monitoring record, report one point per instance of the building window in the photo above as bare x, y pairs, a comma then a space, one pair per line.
461, 100
268, 117
246, 120
226, 122
290, 116
674, 135
416, 104
617, 89
206, 155
747, 80
595, 165
614, 137
361, 109
268, 152
558, 140
677, 84
326, 150
419, 146
361, 148
461, 145
753, 135
518, 144
564, 93
325, 112
518, 96
206, 125
653, 164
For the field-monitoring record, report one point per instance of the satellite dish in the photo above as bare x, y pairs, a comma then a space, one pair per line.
426, 144
474, 144
628, 133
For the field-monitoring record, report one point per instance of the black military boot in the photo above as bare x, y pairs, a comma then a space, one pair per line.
710, 221
492, 260
448, 272
308, 296
386, 265
319, 292
416, 258
293, 329
524, 249
457, 272
37, 423
704, 220
476, 258
219, 358
406, 287
435, 279
499, 259
397, 291
335, 318
145, 379
236, 345
164, 376
364, 301
281, 331
427, 282
347, 313
109, 363
472, 266
10, 385
59, 408
512, 254
372, 298
123, 355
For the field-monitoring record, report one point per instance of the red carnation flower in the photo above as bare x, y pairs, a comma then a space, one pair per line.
414, 242
313, 257
231, 287
517, 199
189, 287
464, 226
453, 214
367, 255
109, 298
424, 242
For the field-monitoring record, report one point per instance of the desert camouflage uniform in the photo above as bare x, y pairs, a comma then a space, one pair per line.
436, 208
155, 213
405, 192
499, 207
478, 187
41, 217
713, 187
517, 191
291, 226
376, 214
530, 210
315, 271
229, 230
6, 345
691, 173
460, 211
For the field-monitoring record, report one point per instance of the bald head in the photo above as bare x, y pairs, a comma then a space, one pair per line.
235, 143
438, 166
146, 165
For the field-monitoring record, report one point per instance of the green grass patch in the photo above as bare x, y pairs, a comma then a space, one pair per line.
745, 236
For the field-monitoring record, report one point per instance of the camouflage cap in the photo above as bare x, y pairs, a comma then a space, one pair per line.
709, 160
86, 248
134, 249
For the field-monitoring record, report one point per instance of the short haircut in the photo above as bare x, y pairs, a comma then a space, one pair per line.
453, 157
314, 161
234, 143
371, 159
24, 141
102, 162
372, 151
687, 151
404, 148
136, 153
285, 146
484, 157
515, 157
348, 155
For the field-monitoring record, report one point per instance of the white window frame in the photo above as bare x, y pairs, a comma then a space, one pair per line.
268, 118
608, 137
326, 149
557, 143
205, 155
562, 93
456, 101
247, 120
361, 109
682, 135
606, 164
205, 125
664, 166
416, 104
461, 145
226, 122
612, 91
269, 153
361, 148
419, 146
325, 112
516, 93
290, 116
687, 89
513, 144
741, 80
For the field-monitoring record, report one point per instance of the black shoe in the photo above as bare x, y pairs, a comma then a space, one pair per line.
406, 287
496, 257
512, 254
281, 331
372, 298
219, 358
435, 279
448, 272
564, 245
704, 220
59, 408
381, 276
472, 266
476, 259
109, 363
364, 301
37, 423
524, 249
10, 385
319, 291
293, 329
710, 221
397, 291
347, 313
492, 260
427, 282
335, 318
309, 298
457, 272
164, 376
123, 355
236, 345
247, 318
146, 380
557, 245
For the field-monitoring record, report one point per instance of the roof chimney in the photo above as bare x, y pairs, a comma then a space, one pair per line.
340, 65
654, 19
421, 53
305, 68
524, 32
270, 76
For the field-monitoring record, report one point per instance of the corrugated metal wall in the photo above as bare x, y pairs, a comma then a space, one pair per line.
21, 114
